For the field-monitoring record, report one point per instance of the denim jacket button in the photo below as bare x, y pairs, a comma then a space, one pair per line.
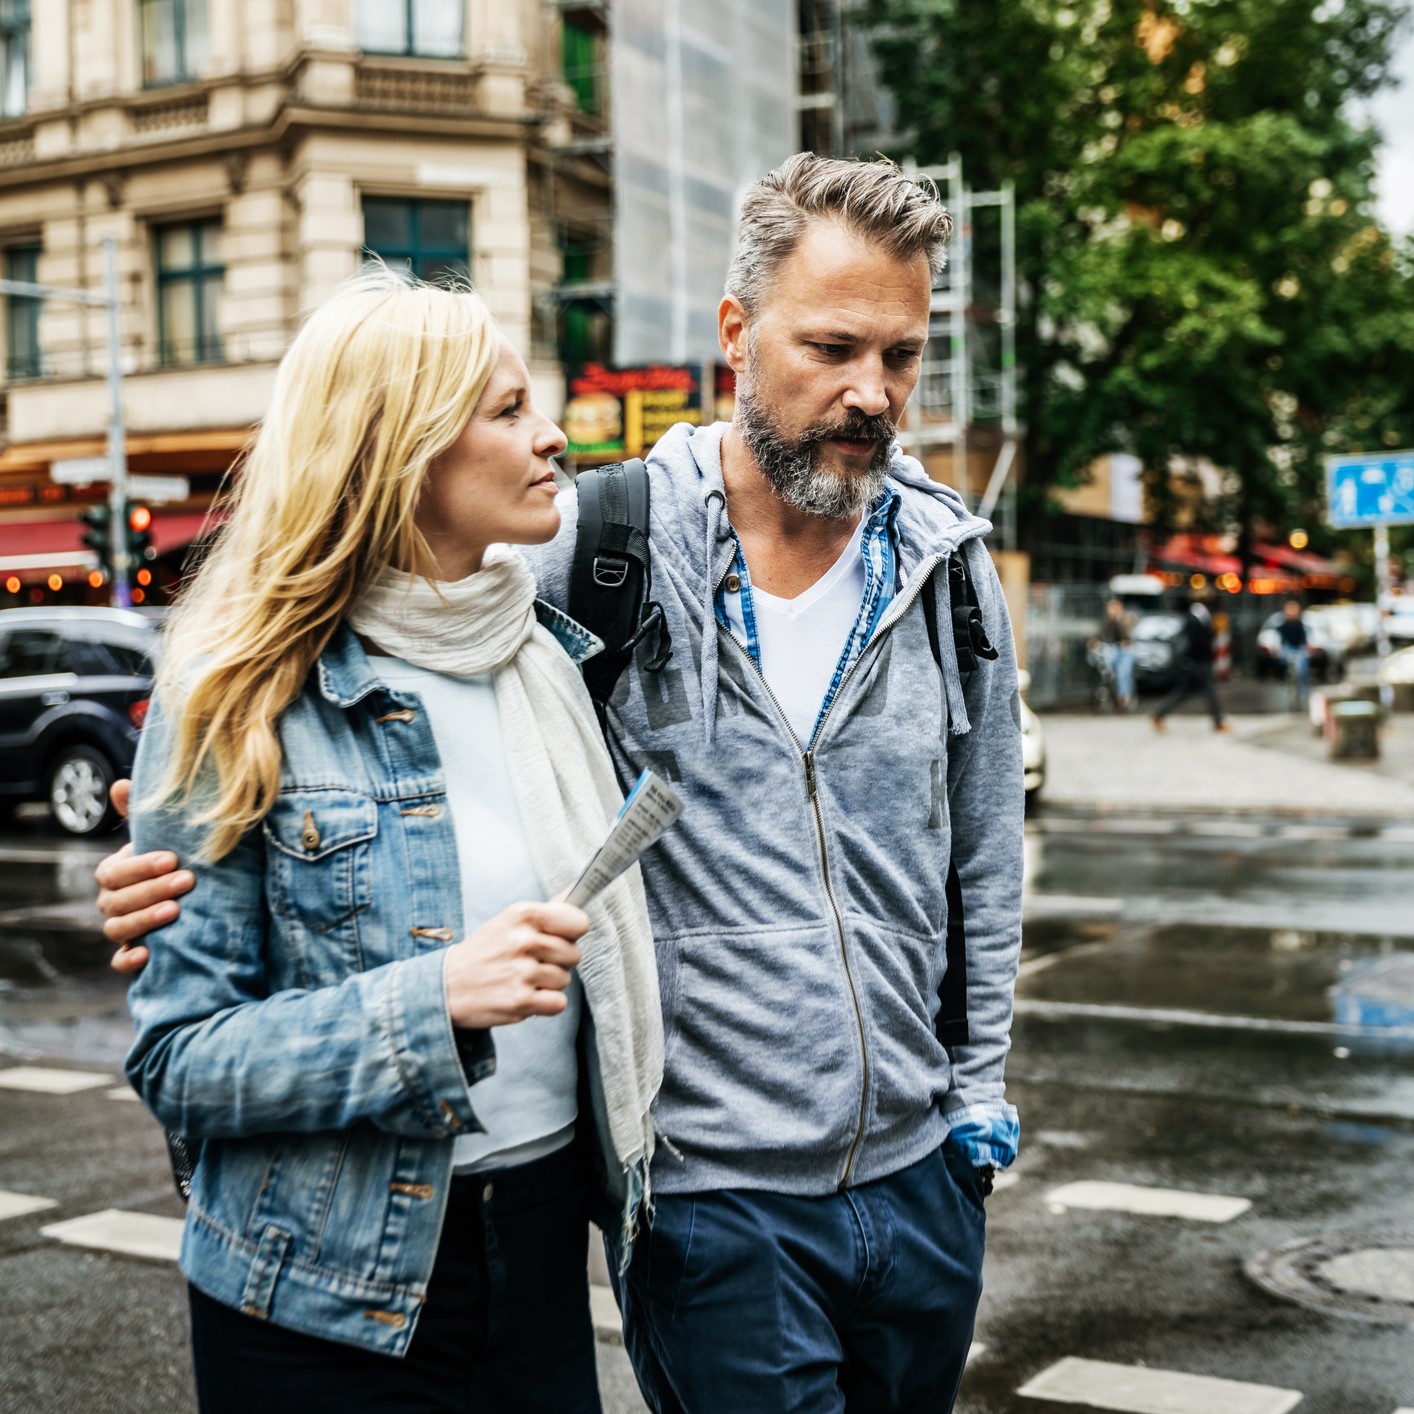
487, 1192
732, 584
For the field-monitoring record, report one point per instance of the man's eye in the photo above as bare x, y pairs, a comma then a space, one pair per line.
831, 350
903, 357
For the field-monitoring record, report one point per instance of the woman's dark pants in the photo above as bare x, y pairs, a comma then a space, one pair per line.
505, 1330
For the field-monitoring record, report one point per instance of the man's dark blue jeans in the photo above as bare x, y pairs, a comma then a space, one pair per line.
745, 1302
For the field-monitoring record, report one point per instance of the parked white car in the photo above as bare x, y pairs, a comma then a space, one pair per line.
1033, 744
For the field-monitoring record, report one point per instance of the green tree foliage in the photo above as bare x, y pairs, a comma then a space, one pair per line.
1200, 270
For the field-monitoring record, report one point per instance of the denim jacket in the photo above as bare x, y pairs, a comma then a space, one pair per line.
294, 1017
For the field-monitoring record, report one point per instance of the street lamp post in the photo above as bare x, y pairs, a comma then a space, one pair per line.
121, 590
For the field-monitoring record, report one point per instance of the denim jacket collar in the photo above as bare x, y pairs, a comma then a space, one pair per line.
346, 676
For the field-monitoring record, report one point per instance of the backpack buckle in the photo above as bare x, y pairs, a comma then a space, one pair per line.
610, 573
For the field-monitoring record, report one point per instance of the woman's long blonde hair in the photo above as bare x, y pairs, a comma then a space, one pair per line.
379, 381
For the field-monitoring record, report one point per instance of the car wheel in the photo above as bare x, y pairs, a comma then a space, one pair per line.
78, 790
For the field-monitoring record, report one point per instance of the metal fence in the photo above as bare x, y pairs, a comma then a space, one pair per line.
1061, 619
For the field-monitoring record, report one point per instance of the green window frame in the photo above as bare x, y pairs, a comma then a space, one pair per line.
582, 65
14, 58
423, 29
22, 352
174, 40
431, 239
190, 278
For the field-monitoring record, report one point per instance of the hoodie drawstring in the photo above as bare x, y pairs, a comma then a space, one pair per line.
716, 531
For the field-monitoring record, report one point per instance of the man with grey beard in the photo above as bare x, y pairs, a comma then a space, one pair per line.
854, 797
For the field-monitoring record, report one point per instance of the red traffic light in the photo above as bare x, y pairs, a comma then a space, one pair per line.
139, 519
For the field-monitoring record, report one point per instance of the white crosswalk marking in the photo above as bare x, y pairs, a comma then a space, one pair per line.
1134, 1389
16, 1205
122, 1092
132, 1234
1004, 1180
1148, 1202
45, 1080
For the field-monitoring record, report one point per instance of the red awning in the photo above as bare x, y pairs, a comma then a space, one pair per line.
36, 546
173, 529
42, 547
1302, 561
1189, 552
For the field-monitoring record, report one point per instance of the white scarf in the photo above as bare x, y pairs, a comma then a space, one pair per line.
565, 785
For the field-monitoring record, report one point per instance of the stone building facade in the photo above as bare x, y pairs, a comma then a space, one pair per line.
244, 154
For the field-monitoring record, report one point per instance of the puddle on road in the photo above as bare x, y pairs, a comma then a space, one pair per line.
1283, 974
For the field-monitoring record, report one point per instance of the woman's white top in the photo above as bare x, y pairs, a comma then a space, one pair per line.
528, 1106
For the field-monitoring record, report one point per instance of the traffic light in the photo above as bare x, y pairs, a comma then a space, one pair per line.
139, 536
98, 536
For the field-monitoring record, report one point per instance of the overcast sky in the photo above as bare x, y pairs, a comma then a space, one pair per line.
1394, 112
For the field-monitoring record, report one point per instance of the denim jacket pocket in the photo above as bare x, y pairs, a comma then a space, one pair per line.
319, 855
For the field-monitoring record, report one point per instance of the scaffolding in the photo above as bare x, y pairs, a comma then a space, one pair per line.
842, 109
969, 375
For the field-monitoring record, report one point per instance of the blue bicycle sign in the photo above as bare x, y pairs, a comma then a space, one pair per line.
1369, 490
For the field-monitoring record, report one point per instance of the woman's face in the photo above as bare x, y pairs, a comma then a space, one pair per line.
495, 484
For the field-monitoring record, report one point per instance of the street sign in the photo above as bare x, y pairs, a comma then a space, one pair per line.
80, 471
1370, 490
158, 488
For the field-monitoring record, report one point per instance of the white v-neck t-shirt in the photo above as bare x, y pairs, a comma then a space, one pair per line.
529, 1105
801, 639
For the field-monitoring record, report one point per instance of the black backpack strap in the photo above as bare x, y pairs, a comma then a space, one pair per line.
611, 579
972, 644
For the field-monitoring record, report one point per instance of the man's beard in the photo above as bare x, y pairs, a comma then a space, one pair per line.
792, 464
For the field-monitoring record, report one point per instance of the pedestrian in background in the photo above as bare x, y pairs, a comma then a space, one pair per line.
1116, 642
1295, 652
373, 747
1193, 667
854, 796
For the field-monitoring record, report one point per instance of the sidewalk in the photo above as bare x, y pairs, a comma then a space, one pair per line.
1269, 763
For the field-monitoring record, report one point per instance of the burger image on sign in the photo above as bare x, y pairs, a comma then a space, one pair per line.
594, 422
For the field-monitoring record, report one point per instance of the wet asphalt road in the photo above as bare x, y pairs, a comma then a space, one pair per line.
1173, 1030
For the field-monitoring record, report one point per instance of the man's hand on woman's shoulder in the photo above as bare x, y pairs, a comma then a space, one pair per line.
137, 893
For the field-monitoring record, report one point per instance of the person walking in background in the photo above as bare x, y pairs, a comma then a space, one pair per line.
378, 753
1116, 642
1295, 652
1193, 668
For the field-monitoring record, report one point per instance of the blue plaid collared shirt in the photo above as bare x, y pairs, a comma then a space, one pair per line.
879, 548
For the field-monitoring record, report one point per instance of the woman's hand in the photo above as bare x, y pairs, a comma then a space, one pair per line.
515, 966
137, 893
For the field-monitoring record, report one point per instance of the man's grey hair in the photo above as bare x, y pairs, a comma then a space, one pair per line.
874, 200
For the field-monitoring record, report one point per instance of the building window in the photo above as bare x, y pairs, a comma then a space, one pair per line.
431, 29
582, 65
432, 239
14, 57
22, 315
189, 278
174, 40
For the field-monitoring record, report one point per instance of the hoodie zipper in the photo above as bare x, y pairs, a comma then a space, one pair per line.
897, 610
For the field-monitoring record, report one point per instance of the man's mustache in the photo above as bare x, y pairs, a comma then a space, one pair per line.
859, 428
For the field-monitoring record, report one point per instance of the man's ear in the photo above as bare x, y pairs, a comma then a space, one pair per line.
731, 332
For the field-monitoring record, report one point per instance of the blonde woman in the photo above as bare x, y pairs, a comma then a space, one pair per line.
371, 739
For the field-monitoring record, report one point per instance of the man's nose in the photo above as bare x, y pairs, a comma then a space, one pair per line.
866, 392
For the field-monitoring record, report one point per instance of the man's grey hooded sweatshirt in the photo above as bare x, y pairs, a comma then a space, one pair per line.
799, 906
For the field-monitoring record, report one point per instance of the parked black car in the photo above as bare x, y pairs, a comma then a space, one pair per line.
1155, 656
74, 689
